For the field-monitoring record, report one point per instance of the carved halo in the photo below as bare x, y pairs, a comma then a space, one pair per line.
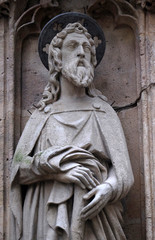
59, 22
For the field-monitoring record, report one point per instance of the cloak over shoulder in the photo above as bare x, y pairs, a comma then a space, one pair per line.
114, 142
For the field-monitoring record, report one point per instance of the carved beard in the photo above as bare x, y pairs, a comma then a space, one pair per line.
80, 72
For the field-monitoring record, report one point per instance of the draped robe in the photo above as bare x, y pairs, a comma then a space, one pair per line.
57, 140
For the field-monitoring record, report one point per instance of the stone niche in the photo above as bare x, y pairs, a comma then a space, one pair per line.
117, 77
34, 77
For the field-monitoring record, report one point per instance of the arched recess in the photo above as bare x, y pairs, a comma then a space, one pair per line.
30, 75
118, 76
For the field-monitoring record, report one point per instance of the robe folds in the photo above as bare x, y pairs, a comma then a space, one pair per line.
57, 140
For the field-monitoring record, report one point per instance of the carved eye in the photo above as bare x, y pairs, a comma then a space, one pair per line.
72, 45
87, 48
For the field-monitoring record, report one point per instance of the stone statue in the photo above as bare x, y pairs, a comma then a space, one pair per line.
71, 166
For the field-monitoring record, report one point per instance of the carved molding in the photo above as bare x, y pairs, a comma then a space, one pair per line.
122, 11
50, 3
30, 21
5, 5
128, 7
4, 8
148, 5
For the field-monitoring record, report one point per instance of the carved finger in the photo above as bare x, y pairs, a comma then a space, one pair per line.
83, 179
89, 214
78, 182
89, 194
89, 177
94, 211
94, 182
87, 170
93, 203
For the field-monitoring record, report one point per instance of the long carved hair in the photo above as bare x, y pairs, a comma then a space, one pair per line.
52, 90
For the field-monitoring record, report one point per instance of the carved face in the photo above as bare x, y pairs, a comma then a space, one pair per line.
74, 46
76, 59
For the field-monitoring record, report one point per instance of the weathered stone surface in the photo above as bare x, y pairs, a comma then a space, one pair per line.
2, 43
34, 77
120, 73
149, 124
58, 149
142, 47
133, 219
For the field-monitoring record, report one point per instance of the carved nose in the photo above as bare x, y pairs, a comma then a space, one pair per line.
81, 52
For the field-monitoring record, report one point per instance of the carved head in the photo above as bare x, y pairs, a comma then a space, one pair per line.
56, 46
72, 53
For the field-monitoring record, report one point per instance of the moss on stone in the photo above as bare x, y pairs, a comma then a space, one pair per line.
18, 157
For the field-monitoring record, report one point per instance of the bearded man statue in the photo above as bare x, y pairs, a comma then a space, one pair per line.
71, 167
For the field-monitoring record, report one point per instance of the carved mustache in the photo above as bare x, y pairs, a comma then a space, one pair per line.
82, 62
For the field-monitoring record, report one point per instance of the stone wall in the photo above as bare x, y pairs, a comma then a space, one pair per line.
125, 76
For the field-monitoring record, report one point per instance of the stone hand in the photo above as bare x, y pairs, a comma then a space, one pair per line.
102, 194
79, 175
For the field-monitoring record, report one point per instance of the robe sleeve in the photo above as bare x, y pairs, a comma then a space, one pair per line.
45, 165
28, 167
23, 152
115, 144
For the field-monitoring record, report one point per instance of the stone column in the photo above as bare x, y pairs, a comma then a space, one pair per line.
2, 117
150, 80
6, 111
147, 57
